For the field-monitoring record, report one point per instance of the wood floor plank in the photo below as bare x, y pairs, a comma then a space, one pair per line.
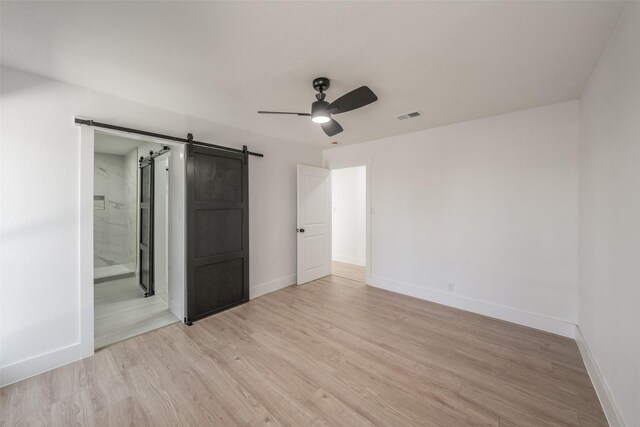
73, 410
329, 353
30, 398
323, 405
67, 380
590, 421
526, 415
576, 373
257, 381
127, 412
348, 271
107, 393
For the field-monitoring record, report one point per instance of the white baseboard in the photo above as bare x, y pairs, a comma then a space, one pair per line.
349, 259
520, 317
272, 286
36, 365
609, 406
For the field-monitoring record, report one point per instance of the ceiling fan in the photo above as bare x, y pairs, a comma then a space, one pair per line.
322, 110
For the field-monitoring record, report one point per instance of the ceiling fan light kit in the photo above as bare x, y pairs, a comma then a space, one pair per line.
319, 113
322, 110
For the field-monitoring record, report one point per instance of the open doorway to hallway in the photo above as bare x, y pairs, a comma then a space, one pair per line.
349, 219
131, 238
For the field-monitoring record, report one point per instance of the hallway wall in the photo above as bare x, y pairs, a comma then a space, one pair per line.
349, 233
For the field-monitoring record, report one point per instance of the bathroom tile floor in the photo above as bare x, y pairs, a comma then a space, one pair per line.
122, 311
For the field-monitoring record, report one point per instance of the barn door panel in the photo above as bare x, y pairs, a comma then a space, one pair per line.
217, 231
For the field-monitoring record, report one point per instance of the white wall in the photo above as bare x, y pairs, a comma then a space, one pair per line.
609, 275
348, 197
489, 206
40, 205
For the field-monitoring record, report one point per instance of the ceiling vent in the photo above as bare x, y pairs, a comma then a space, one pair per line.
411, 115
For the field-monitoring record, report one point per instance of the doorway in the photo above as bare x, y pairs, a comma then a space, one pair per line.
206, 194
131, 223
349, 223
334, 215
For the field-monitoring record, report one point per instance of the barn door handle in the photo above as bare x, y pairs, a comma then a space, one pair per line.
300, 230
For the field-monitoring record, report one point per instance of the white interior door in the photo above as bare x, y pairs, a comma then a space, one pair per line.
314, 223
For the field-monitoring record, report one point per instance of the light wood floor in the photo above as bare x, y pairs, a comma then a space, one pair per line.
331, 352
348, 271
121, 311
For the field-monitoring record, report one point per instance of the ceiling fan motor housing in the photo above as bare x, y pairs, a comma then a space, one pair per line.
321, 84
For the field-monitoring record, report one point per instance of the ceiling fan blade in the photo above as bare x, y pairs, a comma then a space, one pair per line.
331, 127
284, 112
355, 99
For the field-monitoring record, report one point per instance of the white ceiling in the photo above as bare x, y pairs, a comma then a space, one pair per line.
223, 61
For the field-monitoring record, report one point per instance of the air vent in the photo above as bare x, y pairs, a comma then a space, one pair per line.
410, 115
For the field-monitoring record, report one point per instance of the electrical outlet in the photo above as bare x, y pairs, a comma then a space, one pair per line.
452, 287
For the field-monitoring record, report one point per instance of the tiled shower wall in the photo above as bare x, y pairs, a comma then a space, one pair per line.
115, 226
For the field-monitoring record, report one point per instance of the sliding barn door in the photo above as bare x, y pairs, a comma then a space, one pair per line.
217, 231
146, 227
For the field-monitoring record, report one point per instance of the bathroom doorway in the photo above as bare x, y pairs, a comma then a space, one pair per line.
132, 196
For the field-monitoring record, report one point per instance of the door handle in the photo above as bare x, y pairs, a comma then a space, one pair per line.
300, 230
